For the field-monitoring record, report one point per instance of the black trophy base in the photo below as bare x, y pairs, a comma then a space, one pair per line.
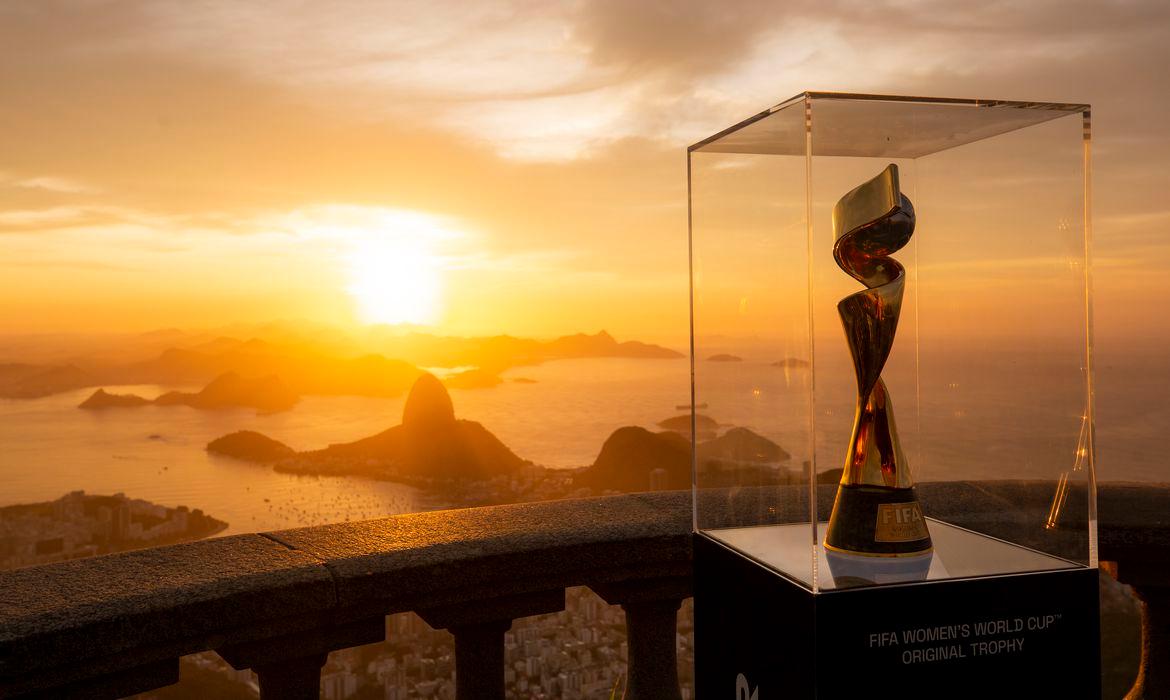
877, 521
760, 635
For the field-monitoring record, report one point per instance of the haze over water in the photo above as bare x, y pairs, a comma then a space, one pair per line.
157, 453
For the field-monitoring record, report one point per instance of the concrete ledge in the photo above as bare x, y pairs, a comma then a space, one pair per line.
434, 559
137, 607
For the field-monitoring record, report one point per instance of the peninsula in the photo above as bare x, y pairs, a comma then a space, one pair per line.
81, 525
266, 394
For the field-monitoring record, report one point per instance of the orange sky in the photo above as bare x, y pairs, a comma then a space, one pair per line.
519, 165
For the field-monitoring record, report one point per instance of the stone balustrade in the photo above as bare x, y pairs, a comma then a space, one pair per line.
279, 602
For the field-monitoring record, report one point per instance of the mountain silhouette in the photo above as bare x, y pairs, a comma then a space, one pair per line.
26, 381
431, 441
319, 361
636, 459
229, 390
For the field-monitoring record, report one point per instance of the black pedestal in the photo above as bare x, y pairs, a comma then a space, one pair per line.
761, 636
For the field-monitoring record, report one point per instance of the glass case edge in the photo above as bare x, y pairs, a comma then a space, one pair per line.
749, 121
1070, 107
691, 322
812, 415
1090, 378
809, 95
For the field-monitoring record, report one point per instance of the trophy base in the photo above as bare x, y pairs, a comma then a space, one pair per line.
1021, 635
877, 521
850, 570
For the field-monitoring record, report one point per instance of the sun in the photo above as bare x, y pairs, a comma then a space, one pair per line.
395, 272
392, 282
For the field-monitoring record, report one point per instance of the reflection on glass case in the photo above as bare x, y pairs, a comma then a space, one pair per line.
853, 253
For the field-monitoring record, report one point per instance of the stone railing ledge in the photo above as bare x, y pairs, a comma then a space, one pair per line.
108, 614
440, 558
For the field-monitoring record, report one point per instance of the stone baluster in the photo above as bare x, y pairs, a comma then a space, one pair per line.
478, 627
289, 666
651, 627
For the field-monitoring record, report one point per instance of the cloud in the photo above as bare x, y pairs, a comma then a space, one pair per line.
24, 220
556, 127
47, 183
684, 39
557, 80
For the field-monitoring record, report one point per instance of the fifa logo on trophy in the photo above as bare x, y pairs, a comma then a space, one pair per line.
876, 532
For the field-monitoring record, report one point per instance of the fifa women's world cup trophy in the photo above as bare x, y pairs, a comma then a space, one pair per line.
877, 532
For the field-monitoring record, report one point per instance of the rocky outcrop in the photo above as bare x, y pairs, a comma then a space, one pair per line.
102, 399
631, 456
742, 446
250, 446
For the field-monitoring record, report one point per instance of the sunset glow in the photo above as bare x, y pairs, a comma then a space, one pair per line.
395, 280
551, 136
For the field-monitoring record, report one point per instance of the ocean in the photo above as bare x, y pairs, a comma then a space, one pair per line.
49, 447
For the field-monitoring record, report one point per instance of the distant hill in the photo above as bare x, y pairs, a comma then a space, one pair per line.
473, 379
631, 454
742, 446
682, 424
26, 381
320, 361
636, 459
230, 390
304, 372
791, 362
603, 345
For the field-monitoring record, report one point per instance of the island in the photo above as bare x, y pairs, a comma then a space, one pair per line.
791, 362
724, 357
102, 399
250, 446
81, 525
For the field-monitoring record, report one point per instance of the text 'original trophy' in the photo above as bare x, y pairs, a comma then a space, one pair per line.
877, 532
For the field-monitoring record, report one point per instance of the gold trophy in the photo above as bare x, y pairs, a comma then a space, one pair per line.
877, 532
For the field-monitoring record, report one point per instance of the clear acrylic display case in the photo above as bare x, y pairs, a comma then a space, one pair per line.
990, 372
